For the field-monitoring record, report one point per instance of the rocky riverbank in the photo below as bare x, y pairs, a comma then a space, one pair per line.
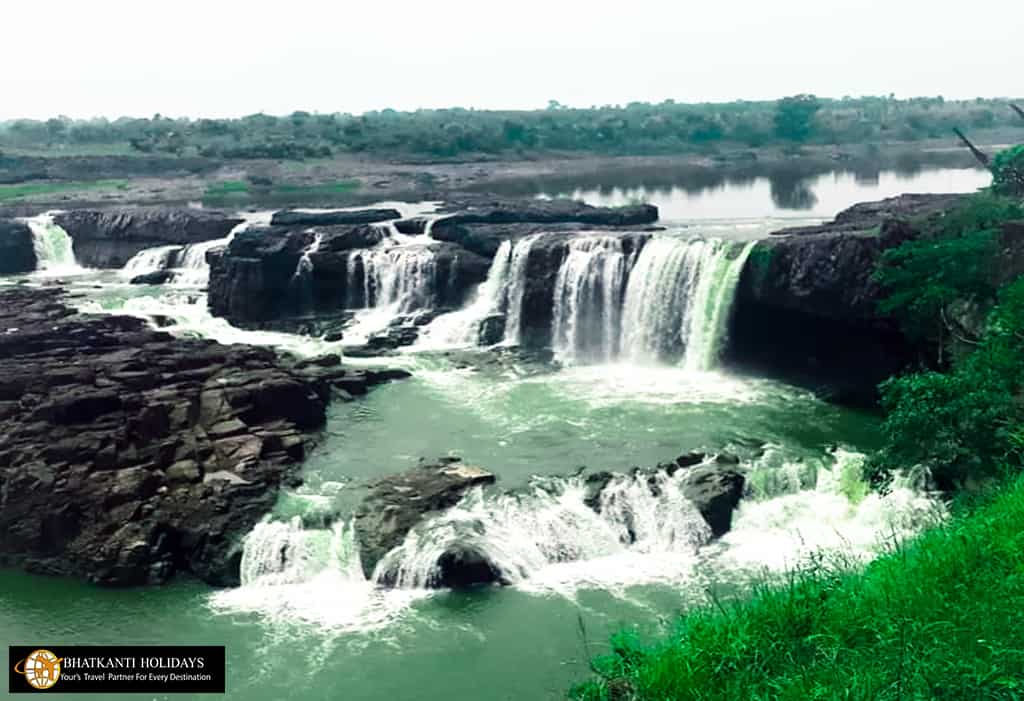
128, 455
807, 307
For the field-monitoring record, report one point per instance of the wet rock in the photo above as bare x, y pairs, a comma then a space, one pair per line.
397, 503
157, 277
486, 209
714, 483
108, 238
291, 217
716, 491
17, 254
464, 567
127, 455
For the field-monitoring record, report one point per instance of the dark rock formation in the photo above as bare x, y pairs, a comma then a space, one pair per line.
397, 503
157, 277
291, 217
108, 238
463, 567
714, 483
255, 279
807, 307
486, 238
17, 254
467, 209
127, 454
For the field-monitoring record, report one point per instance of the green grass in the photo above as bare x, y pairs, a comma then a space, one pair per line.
234, 190
42, 189
941, 617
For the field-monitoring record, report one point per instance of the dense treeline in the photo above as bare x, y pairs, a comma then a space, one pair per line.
637, 128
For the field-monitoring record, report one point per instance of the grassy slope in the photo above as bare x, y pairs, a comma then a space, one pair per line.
941, 617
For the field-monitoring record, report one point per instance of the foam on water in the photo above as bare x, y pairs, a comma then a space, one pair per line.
54, 248
310, 576
547, 540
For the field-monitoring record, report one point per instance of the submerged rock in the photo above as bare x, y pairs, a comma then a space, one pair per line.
399, 502
157, 277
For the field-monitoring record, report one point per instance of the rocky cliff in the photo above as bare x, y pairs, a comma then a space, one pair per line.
127, 455
108, 238
807, 307
17, 254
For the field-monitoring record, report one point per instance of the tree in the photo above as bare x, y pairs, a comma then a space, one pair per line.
794, 117
1008, 172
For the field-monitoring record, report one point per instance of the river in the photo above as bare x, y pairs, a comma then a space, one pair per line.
315, 628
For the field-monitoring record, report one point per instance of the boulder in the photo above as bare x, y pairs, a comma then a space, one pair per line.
715, 489
108, 238
17, 253
157, 277
292, 217
713, 483
397, 503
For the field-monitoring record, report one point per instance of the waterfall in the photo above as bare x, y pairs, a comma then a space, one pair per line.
588, 299
53, 246
151, 260
678, 300
516, 288
283, 552
192, 268
305, 265
401, 278
523, 534
713, 304
464, 327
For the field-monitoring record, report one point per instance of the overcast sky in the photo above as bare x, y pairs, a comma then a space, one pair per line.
85, 58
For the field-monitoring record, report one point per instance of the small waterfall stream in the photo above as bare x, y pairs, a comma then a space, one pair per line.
54, 248
465, 326
398, 278
151, 260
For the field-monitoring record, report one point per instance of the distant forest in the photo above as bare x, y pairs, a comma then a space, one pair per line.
636, 129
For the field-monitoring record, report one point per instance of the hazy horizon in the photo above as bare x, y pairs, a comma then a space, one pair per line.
230, 59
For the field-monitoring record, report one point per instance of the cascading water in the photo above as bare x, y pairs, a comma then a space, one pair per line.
151, 260
679, 298
520, 257
399, 278
713, 304
192, 268
53, 246
464, 327
522, 535
588, 299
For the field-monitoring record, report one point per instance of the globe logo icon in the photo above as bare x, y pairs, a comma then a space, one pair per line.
41, 669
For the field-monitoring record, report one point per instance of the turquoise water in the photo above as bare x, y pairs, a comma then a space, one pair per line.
319, 630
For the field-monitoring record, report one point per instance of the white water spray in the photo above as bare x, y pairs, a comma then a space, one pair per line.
54, 248
151, 260
520, 258
588, 299
463, 327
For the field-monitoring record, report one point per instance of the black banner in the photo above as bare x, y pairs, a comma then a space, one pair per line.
113, 669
